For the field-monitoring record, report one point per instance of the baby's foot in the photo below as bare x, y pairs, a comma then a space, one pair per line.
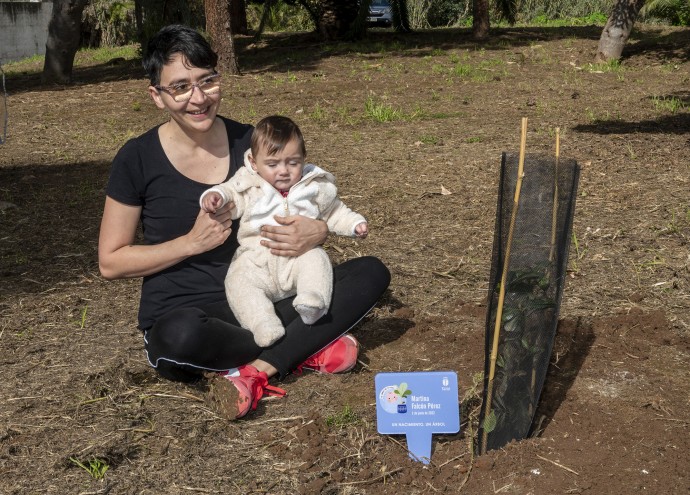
310, 307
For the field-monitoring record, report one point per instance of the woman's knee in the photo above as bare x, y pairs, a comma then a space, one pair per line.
367, 270
177, 330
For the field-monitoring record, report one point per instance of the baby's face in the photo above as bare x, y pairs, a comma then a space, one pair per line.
282, 170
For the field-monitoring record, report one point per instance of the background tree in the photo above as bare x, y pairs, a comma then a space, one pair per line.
617, 29
62, 44
507, 9
480, 19
268, 4
219, 30
337, 19
152, 15
238, 17
401, 16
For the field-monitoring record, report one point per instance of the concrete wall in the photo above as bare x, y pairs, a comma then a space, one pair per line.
23, 29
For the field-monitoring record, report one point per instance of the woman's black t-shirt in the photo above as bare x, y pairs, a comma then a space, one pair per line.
143, 176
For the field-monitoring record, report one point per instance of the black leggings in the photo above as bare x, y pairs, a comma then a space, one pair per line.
187, 341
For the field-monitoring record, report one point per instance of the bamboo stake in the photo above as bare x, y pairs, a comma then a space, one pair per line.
554, 214
504, 277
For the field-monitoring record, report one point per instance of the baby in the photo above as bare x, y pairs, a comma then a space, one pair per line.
275, 181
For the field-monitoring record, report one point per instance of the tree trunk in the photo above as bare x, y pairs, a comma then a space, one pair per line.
617, 29
359, 26
63, 41
139, 20
268, 4
337, 19
238, 17
218, 28
401, 16
480, 19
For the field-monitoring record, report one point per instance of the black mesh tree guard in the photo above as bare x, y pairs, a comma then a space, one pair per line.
534, 279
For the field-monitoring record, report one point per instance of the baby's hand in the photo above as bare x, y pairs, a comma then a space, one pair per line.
211, 202
362, 230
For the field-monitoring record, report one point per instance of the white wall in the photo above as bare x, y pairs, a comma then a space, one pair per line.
23, 29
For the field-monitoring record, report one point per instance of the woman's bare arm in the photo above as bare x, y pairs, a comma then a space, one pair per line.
119, 257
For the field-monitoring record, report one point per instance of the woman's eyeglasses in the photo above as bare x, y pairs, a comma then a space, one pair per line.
180, 92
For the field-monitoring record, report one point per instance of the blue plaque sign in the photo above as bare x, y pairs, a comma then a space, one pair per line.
417, 404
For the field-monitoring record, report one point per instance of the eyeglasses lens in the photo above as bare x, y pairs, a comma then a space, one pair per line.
209, 86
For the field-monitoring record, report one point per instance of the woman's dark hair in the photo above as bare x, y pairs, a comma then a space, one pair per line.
273, 133
197, 52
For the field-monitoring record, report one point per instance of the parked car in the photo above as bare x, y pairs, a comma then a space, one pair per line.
380, 13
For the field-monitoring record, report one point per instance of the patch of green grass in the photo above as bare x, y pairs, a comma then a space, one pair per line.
631, 151
82, 320
429, 139
670, 67
438, 69
381, 112
667, 104
318, 114
26, 333
613, 65
346, 417
462, 70
482, 76
596, 18
29, 64
654, 263
441, 115
86, 56
95, 467
580, 252
380, 47
474, 139
491, 62
679, 221
594, 117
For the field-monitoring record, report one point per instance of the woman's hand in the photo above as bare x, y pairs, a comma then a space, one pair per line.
294, 236
210, 230
119, 257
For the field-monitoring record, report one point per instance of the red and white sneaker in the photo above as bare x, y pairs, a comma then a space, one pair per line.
337, 357
233, 395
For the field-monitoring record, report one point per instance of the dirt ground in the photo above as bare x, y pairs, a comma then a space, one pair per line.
75, 385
